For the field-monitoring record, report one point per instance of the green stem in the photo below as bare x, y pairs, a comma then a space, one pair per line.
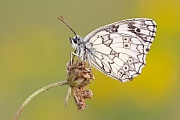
16, 117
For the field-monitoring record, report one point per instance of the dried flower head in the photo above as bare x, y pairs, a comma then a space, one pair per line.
79, 75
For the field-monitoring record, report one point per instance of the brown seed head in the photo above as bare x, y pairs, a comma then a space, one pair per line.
79, 75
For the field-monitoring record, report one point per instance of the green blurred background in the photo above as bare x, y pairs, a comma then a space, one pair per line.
34, 50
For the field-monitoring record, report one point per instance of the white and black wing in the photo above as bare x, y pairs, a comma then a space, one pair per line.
119, 49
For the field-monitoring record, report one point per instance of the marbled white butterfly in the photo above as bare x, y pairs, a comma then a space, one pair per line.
118, 49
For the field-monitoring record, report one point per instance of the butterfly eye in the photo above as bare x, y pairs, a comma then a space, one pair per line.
76, 39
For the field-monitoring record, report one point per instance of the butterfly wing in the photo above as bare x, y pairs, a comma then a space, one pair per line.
119, 49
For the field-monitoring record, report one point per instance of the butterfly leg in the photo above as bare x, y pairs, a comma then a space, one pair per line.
72, 55
88, 61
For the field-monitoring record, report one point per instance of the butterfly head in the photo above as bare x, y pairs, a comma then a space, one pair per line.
76, 41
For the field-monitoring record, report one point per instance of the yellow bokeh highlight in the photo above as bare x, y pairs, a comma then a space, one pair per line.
164, 12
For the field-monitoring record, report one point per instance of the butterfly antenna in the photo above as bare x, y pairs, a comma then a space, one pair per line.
66, 23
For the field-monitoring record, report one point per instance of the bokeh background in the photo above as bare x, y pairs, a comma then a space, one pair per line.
34, 50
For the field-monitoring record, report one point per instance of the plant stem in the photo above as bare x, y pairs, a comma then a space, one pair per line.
16, 117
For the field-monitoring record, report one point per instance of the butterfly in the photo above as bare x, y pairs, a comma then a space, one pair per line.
118, 49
